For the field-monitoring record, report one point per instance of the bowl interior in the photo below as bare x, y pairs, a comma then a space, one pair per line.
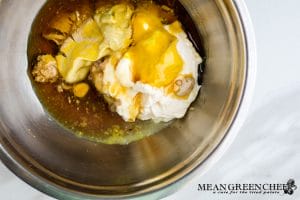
42, 149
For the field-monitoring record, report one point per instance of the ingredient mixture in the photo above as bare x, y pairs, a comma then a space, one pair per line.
137, 56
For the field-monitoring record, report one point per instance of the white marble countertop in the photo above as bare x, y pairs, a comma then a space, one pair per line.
267, 147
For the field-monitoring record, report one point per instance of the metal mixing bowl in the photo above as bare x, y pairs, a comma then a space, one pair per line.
56, 162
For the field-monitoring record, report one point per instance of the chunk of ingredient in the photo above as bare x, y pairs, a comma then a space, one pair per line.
81, 89
94, 40
115, 25
45, 71
79, 51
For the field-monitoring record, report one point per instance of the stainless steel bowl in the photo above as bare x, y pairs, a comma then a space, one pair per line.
56, 162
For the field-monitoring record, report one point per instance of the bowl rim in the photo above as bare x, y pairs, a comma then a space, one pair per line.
15, 166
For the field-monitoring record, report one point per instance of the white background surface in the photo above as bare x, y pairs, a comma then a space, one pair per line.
267, 149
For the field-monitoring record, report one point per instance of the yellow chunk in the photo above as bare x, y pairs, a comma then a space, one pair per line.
58, 38
155, 60
154, 56
169, 66
78, 52
81, 89
115, 25
89, 31
145, 22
